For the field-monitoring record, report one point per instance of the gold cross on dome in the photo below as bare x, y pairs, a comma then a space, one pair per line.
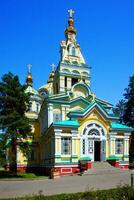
53, 67
71, 12
29, 68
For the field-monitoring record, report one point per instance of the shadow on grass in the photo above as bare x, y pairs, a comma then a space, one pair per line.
9, 174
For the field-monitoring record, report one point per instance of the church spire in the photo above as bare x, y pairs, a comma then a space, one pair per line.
70, 28
29, 79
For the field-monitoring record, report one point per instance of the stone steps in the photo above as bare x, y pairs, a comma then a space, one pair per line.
99, 168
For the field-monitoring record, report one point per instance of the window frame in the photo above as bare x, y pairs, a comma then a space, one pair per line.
66, 145
119, 146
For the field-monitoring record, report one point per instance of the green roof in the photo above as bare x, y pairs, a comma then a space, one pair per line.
31, 90
67, 123
120, 126
93, 103
112, 157
85, 158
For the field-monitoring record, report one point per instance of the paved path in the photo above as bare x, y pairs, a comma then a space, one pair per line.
9, 188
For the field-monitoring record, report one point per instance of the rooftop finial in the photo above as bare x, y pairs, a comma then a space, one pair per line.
53, 67
29, 68
71, 12
29, 78
70, 27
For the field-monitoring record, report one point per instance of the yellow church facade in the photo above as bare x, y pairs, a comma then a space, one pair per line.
72, 127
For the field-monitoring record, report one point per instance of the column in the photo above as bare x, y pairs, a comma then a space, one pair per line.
74, 146
69, 82
58, 145
126, 148
62, 84
50, 114
67, 111
63, 113
112, 146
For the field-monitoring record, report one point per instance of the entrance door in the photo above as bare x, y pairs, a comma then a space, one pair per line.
97, 147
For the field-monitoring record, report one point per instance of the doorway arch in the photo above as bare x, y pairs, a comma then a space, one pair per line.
93, 142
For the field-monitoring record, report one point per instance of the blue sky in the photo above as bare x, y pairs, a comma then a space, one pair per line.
31, 30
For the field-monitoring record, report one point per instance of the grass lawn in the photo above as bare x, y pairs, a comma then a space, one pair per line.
120, 193
23, 175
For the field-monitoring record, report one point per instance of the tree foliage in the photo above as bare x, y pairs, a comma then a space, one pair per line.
125, 110
13, 105
128, 116
119, 110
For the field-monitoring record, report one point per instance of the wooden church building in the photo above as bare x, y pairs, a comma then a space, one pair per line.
71, 126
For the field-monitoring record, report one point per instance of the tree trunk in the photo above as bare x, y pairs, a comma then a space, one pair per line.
13, 164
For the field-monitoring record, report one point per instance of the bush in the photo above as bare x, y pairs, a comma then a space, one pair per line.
131, 165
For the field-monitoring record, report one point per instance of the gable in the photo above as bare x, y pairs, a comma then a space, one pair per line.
84, 112
95, 115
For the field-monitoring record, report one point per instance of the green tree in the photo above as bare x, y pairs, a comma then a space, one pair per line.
119, 110
14, 102
2, 150
128, 116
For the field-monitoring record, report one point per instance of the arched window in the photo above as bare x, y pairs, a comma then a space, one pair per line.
94, 132
93, 129
71, 50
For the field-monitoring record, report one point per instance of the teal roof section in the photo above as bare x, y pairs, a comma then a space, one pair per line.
31, 90
121, 126
85, 158
67, 123
83, 112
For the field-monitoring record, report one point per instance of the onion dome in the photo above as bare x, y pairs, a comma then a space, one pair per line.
70, 27
29, 79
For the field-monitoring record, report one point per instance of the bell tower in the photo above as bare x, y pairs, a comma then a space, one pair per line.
72, 67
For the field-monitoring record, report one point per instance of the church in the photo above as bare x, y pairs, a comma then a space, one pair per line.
72, 128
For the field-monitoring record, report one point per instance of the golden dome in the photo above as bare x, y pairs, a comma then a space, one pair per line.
70, 27
29, 79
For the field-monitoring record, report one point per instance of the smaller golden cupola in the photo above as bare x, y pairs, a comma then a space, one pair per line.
70, 28
29, 79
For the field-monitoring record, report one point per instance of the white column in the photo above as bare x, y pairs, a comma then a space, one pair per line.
58, 142
67, 111
57, 146
74, 136
63, 112
72, 145
62, 84
127, 150
50, 114
112, 146
69, 83
126, 146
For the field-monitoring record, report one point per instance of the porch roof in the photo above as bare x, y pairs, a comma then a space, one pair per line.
67, 123
121, 126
